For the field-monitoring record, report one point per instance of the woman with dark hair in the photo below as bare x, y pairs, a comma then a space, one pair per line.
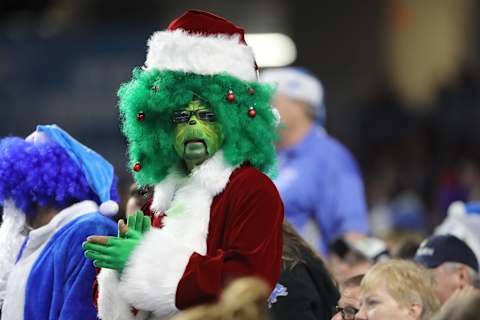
306, 290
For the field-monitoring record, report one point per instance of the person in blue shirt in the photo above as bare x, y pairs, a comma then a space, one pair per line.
319, 180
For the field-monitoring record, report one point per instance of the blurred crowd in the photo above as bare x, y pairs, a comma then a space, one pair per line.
418, 160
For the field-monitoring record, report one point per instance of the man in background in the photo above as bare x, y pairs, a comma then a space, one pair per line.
349, 303
319, 180
452, 262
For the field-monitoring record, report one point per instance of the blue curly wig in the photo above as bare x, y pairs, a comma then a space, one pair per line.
42, 175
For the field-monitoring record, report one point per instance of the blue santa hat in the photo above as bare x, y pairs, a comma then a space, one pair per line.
51, 168
98, 172
299, 84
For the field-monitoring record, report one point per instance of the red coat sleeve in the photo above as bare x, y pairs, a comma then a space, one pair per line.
252, 242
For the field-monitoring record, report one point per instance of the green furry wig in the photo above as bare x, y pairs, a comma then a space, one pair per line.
149, 99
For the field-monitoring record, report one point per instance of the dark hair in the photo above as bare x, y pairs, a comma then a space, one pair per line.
353, 281
294, 249
407, 249
140, 193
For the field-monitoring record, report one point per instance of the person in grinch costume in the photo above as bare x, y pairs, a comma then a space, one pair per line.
200, 129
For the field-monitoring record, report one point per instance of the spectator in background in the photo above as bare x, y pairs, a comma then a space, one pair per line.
453, 263
319, 181
463, 222
397, 290
350, 258
137, 197
406, 248
349, 303
306, 290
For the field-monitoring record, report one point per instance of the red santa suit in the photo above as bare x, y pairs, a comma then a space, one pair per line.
221, 222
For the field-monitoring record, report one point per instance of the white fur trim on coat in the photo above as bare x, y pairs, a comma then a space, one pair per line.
149, 282
179, 50
11, 239
111, 305
150, 279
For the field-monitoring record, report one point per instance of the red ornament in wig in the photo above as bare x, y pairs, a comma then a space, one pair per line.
230, 96
140, 116
252, 113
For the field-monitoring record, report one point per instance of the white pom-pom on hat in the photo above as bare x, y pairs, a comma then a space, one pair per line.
109, 208
457, 209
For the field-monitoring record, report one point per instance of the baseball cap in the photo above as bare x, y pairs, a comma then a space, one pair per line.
299, 84
439, 249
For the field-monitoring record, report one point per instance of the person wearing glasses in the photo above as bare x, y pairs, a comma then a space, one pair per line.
137, 197
201, 129
348, 304
397, 290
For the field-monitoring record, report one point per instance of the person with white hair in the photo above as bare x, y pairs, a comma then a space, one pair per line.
319, 180
453, 264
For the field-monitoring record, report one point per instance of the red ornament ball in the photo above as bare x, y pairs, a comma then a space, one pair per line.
252, 112
251, 91
230, 96
137, 167
140, 116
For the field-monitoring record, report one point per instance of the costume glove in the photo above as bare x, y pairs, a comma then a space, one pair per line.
114, 252
111, 252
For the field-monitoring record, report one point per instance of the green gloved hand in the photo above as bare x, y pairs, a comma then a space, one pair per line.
111, 252
139, 222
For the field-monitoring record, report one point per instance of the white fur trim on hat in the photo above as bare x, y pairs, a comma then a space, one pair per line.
457, 209
108, 208
179, 50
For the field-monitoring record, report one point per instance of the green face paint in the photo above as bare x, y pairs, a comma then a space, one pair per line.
196, 140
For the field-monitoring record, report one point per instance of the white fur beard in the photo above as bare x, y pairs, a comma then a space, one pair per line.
11, 239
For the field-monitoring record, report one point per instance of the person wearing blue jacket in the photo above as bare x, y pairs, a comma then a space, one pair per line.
55, 192
319, 180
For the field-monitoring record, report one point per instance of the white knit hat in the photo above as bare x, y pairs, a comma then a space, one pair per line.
298, 84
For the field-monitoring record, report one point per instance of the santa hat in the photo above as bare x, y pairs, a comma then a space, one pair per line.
98, 172
202, 43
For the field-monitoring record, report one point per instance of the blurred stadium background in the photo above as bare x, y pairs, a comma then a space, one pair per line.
401, 82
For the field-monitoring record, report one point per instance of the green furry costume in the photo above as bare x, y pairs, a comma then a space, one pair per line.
149, 99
